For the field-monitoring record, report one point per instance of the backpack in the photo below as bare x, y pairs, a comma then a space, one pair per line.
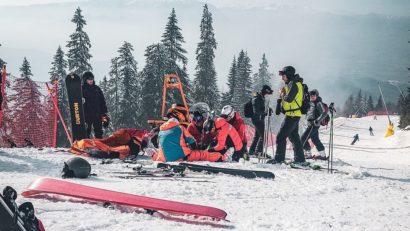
325, 121
304, 108
248, 109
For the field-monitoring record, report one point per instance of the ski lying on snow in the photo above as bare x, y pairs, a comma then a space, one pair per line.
230, 171
52, 188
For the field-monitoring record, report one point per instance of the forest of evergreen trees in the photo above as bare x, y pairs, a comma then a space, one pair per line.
134, 95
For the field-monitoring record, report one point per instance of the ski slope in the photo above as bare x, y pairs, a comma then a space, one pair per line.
373, 195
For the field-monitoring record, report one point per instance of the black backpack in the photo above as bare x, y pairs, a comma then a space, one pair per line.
304, 108
248, 109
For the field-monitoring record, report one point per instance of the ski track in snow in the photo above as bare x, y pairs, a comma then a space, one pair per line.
375, 195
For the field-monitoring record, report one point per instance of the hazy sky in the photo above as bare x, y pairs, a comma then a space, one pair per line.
326, 40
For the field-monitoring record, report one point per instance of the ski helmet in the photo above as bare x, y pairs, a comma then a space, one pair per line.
227, 112
202, 108
314, 92
76, 167
289, 71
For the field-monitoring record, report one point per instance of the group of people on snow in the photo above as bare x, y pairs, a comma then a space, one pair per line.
201, 135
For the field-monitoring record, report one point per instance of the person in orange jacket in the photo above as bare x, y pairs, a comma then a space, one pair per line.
234, 118
226, 137
177, 144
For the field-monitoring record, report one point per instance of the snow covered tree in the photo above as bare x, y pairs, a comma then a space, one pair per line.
232, 78
348, 108
172, 39
28, 106
379, 106
129, 87
370, 103
58, 73
405, 108
79, 47
263, 77
152, 77
25, 69
243, 85
205, 88
2, 62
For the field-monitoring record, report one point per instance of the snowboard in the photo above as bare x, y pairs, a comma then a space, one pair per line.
230, 171
75, 100
13, 218
57, 189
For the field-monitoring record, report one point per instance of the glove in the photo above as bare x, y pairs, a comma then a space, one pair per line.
193, 146
211, 150
316, 123
105, 120
282, 91
278, 107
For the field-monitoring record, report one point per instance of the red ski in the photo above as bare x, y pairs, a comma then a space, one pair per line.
60, 190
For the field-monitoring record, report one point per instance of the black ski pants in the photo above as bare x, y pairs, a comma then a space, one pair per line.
312, 133
258, 138
289, 129
96, 124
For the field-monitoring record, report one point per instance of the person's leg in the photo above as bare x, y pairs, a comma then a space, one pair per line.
88, 126
203, 155
260, 128
255, 138
98, 132
281, 140
295, 139
305, 138
316, 140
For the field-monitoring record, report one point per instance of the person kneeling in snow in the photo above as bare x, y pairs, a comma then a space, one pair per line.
123, 142
234, 118
177, 144
226, 137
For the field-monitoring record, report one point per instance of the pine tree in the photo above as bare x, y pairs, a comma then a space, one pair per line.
79, 46
28, 106
232, 78
348, 108
25, 69
379, 106
152, 76
205, 88
243, 85
358, 103
2, 62
172, 40
405, 108
130, 90
58, 73
370, 103
263, 77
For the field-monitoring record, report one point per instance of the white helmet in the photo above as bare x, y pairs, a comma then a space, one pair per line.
228, 112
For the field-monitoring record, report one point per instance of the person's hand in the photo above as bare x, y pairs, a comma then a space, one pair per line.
105, 120
282, 92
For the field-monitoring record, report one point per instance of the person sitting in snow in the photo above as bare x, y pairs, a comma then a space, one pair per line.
225, 138
195, 128
234, 118
177, 144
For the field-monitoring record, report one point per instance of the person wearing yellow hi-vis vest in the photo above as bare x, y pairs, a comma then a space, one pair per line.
289, 103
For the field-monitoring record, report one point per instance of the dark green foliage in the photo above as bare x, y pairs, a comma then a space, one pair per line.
205, 88
79, 46
25, 69
263, 77
242, 89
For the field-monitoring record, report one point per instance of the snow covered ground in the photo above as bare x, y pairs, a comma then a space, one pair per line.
374, 195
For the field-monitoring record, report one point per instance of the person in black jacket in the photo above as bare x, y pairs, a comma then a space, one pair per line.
258, 119
314, 117
95, 108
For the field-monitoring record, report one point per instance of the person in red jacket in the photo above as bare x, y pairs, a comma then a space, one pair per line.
196, 129
225, 138
234, 118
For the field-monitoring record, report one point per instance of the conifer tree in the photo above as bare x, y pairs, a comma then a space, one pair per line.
2, 62
172, 39
348, 108
58, 73
112, 94
405, 108
152, 75
243, 85
379, 106
129, 87
25, 69
232, 78
205, 88
79, 46
370, 103
263, 77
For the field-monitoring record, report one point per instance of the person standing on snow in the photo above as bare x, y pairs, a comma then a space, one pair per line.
258, 119
314, 117
289, 103
95, 108
234, 118
371, 131
356, 138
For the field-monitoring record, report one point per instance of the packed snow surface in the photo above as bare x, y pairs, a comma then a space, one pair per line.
370, 190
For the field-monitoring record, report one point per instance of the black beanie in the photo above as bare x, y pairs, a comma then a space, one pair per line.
289, 71
88, 75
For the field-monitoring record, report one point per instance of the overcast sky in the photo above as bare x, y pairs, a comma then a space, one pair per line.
326, 40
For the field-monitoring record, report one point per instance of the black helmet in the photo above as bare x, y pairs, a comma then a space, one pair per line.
76, 167
208, 125
314, 92
88, 75
289, 71
266, 90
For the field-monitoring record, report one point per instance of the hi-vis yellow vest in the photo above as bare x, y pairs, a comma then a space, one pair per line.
293, 108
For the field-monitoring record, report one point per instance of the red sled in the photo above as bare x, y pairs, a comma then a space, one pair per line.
47, 188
